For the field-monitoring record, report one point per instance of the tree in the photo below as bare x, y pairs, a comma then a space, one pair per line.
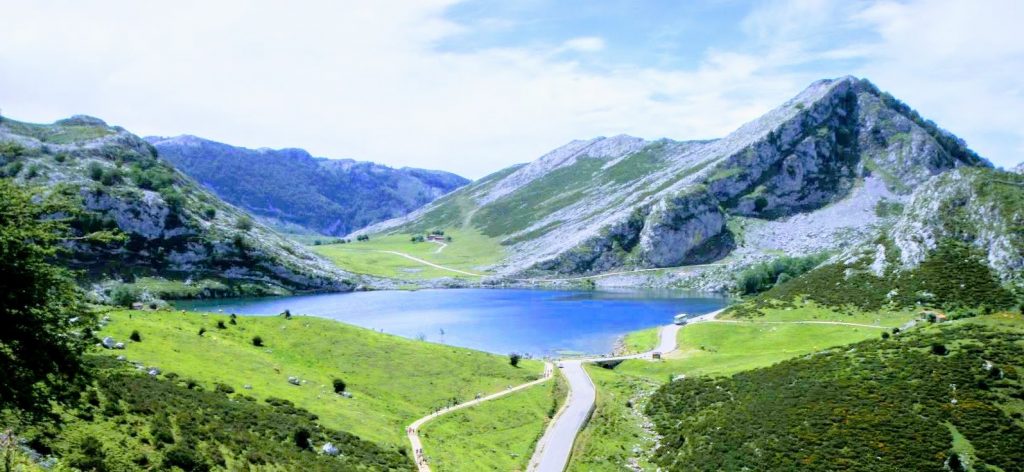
257, 341
339, 385
514, 359
46, 326
301, 437
135, 336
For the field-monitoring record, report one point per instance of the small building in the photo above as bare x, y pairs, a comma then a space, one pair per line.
436, 238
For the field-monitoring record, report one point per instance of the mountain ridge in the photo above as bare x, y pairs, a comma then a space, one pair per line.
667, 203
291, 187
174, 229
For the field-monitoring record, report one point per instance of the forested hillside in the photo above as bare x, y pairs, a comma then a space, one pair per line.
291, 187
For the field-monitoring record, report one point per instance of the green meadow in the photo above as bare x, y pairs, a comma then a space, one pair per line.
496, 435
469, 251
393, 380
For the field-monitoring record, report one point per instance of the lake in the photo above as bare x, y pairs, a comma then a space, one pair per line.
538, 322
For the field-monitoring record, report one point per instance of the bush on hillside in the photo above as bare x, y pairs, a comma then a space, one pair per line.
514, 358
339, 385
257, 341
135, 336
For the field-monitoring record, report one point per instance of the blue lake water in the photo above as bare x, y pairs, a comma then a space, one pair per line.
538, 322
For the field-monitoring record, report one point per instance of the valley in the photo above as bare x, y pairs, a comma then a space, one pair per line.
841, 260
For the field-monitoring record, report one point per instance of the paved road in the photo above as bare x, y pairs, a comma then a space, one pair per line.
413, 430
554, 448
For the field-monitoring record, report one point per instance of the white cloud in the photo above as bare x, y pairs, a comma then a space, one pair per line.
584, 44
364, 79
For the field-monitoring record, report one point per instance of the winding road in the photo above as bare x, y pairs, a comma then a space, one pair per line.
431, 264
554, 448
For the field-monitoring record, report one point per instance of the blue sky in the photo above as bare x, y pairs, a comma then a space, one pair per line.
474, 86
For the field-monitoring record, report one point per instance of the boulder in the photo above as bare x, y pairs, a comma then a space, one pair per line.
294, 381
329, 449
119, 346
109, 343
153, 371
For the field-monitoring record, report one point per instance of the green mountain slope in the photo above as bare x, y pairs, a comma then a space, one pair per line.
290, 187
931, 399
173, 228
622, 202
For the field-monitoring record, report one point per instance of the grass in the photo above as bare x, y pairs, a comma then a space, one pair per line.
640, 341
616, 428
469, 251
495, 435
393, 380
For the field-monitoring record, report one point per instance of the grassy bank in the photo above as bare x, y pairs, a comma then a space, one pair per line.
640, 341
392, 380
495, 435
469, 251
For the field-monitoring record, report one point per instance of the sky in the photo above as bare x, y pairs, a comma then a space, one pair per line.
477, 85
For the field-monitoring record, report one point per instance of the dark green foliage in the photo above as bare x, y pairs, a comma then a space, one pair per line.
257, 341
243, 223
45, 325
363, 237
514, 359
889, 401
287, 314
124, 295
939, 349
301, 438
220, 325
95, 170
135, 336
210, 213
947, 141
765, 275
339, 385
223, 388
888, 208
952, 277
156, 422
202, 331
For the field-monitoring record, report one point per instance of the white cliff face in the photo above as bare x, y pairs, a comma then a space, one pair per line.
963, 205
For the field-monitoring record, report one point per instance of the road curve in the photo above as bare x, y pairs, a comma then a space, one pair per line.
412, 431
554, 448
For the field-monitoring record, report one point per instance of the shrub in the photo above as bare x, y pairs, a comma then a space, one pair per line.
885, 335
135, 336
287, 314
95, 171
339, 385
514, 358
939, 349
301, 438
220, 325
224, 388
124, 295
243, 223
184, 458
257, 341
202, 331
232, 321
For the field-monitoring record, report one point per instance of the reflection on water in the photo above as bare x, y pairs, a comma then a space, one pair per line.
539, 322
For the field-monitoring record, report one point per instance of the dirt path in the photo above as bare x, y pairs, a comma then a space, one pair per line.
413, 430
431, 264
443, 245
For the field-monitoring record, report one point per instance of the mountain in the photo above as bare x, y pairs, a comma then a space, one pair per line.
812, 175
291, 187
173, 228
958, 243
